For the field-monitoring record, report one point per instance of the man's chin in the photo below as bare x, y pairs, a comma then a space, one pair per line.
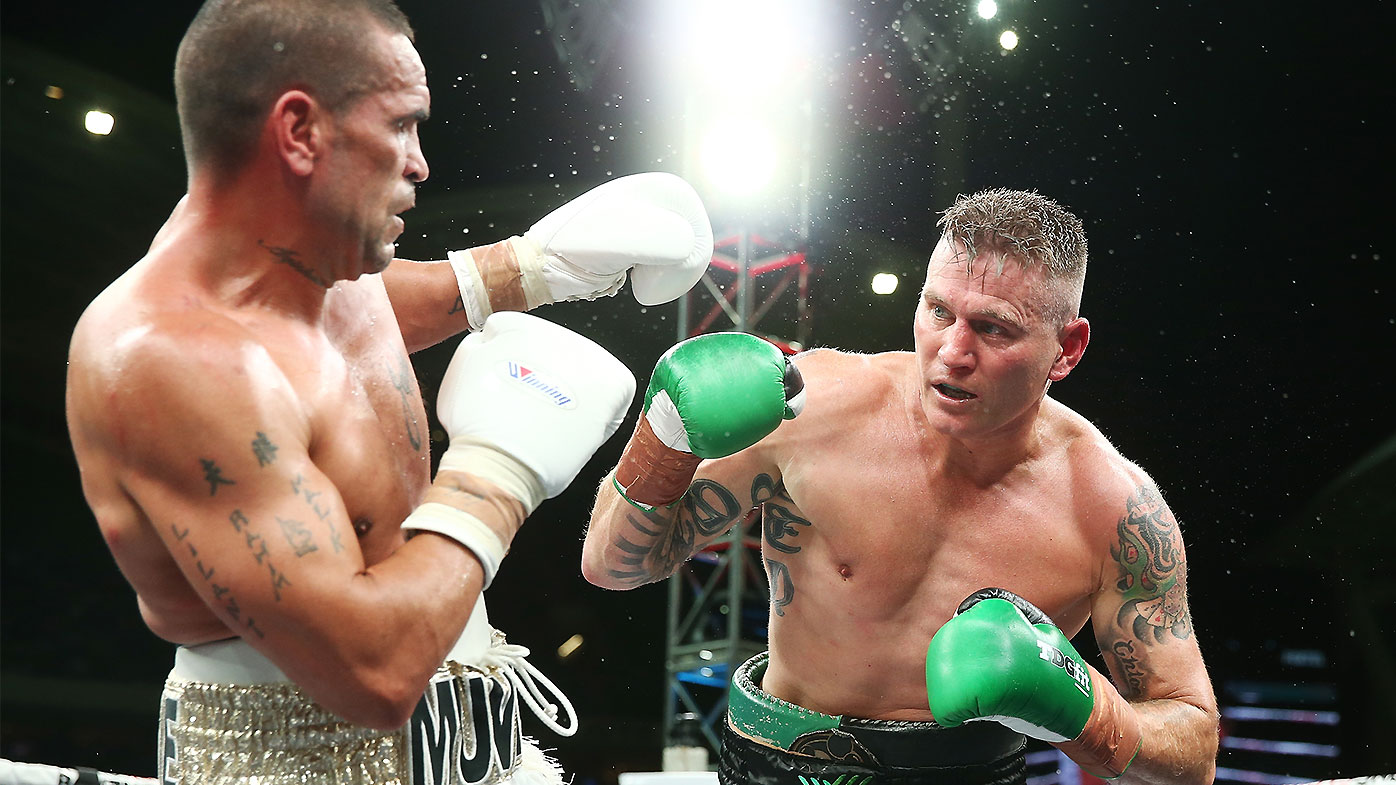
379, 258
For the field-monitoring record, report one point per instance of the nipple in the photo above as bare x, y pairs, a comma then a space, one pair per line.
845, 571
362, 526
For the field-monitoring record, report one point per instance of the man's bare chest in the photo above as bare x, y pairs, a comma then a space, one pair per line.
367, 426
891, 536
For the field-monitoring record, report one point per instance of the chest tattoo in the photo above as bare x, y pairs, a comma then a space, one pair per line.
402, 382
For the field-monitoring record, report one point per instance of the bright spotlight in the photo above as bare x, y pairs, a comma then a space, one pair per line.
884, 283
739, 157
1009, 40
760, 43
99, 122
987, 9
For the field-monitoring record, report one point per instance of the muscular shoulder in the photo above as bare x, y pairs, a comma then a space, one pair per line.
842, 390
836, 378
156, 370
1108, 488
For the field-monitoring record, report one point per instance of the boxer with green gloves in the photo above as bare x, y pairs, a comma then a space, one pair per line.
709, 397
910, 479
1000, 658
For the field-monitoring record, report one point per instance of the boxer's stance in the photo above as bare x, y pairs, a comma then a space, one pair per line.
905, 483
254, 444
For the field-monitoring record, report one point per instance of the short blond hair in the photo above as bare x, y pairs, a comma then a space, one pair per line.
1030, 228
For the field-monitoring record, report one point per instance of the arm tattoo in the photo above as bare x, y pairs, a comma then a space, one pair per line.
289, 258
1130, 668
221, 594
214, 476
299, 487
298, 535
263, 449
707, 509
457, 306
257, 546
1152, 569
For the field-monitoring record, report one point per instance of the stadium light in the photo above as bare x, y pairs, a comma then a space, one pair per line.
739, 157
1009, 40
987, 9
884, 283
99, 122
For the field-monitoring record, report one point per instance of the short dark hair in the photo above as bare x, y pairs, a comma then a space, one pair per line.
239, 56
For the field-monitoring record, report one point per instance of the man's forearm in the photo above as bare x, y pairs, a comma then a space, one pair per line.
426, 300
1179, 744
628, 547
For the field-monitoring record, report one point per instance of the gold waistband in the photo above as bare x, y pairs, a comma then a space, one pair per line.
212, 734
466, 729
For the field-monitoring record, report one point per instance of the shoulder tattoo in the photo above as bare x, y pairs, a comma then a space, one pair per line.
1153, 572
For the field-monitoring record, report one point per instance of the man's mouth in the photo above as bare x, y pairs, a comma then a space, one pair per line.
954, 393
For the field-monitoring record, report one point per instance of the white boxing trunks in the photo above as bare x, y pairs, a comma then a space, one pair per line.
229, 715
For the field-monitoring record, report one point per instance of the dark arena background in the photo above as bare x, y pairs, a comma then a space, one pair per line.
1229, 162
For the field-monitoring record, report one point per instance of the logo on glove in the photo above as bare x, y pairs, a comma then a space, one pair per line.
1054, 655
541, 385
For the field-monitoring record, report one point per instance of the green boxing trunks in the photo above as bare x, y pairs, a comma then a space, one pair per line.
768, 741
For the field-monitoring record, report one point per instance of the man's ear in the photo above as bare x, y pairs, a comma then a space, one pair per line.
296, 130
1073, 339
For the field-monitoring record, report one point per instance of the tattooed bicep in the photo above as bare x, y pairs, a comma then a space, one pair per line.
1152, 572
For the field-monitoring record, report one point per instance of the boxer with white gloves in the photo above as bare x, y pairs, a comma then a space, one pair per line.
653, 223
252, 436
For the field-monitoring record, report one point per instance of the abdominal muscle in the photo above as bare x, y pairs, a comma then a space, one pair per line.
835, 652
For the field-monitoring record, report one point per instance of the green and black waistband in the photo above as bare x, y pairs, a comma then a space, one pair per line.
767, 720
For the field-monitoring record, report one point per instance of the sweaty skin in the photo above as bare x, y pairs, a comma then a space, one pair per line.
248, 425
892, 497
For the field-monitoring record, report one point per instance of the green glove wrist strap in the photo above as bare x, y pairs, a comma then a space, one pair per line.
650, 473
1112, 736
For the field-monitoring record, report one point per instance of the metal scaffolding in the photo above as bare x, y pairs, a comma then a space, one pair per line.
719, 600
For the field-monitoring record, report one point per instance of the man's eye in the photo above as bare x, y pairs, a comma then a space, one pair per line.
939, 312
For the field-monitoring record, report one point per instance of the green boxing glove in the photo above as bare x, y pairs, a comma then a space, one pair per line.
1000, 658
709, 397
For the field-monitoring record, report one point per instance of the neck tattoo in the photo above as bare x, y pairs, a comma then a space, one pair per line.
288, 257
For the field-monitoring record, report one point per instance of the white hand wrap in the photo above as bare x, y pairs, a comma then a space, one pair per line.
484, 460
505, 276
465, 529
667, 424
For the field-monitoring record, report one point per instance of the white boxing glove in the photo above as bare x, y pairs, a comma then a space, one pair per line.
526, 402
653, 223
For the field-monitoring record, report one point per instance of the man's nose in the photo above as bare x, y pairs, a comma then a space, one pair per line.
957, 347
417, 170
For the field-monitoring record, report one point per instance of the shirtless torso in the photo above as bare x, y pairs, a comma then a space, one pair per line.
337, 384
872, 535
871, 540
911, 480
